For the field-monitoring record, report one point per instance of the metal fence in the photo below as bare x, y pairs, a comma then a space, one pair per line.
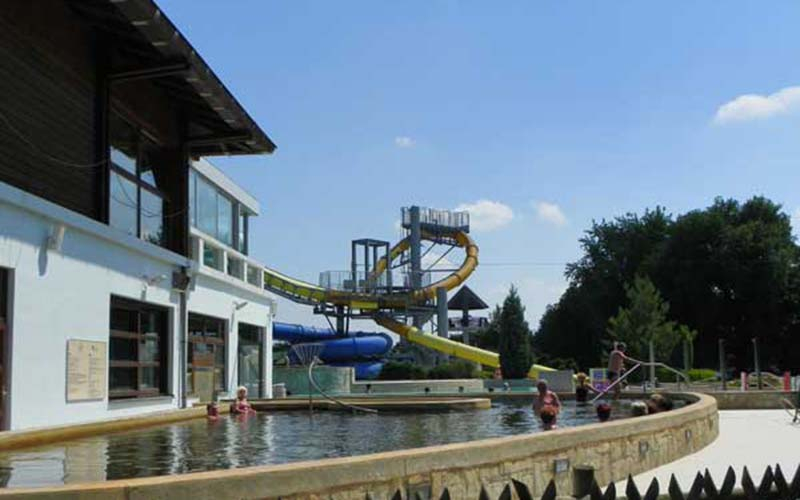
773, 486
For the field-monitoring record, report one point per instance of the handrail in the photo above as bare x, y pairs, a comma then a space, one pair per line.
616, 382
635, 367
328, 397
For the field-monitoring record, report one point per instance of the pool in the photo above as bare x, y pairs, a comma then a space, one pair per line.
266, 438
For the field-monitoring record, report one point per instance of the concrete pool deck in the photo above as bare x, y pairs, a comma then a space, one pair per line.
752, 438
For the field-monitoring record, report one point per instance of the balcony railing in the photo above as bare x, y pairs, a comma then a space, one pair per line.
209, 253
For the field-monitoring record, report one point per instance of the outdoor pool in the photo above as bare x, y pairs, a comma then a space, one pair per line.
267, 438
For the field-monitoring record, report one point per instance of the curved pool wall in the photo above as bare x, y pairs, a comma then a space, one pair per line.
615, 449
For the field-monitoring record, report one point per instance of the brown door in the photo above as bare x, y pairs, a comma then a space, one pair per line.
3, 343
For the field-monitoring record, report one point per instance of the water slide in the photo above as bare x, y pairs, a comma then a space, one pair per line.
359, 350
310, 294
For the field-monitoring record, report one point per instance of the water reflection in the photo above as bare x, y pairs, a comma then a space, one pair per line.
262, 439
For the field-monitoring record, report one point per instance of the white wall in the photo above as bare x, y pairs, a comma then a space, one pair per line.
57, 295
214, 294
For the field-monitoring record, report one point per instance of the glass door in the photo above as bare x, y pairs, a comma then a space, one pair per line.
250, 359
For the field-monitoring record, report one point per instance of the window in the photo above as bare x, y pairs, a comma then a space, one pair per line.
206, 356
250, 361
137, 350
136, 205
210, 210
241, 239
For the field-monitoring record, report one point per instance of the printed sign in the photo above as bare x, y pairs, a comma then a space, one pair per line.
87, 364
599, 378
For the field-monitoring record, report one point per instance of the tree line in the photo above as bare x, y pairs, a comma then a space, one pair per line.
730, 271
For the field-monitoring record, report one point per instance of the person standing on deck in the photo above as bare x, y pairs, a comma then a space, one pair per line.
616, 366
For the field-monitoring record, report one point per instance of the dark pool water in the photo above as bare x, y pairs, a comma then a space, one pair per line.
275, 438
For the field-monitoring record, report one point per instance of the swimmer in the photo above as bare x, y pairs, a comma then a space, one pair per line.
582, 388
548, 415
603, 412
241, 406
639, 408
212, 411
546, 397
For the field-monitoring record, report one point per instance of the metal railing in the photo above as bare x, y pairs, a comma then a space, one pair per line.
440, 218
640, 364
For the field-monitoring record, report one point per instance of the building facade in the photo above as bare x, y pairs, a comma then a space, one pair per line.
125, 281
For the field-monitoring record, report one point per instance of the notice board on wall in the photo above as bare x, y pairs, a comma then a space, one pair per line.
87, 363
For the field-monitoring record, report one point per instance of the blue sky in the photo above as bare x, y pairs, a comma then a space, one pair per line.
538, 116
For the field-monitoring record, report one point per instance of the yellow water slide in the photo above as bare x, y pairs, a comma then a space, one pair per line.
307, 293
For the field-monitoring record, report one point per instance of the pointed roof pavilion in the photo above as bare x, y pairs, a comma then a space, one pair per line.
466, 300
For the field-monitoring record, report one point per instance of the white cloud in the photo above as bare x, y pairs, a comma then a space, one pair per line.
755, 106
403, 141
550, 213
487, 215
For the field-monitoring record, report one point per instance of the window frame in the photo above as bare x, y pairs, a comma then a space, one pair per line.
162, 365
141, 138
218, 342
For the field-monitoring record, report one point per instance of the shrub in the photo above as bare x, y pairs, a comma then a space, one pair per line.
696, 374
402, 371
454, 369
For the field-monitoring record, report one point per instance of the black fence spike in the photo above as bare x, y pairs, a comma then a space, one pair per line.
506, 493
631, 491
728, 483
523, 492
794, 488
780, 482
709, 486
595, 493
445, 494
697, 487
611, 492
674, 489
652, 490
766, 483
484, 494
550, 492
397, 495
748, 486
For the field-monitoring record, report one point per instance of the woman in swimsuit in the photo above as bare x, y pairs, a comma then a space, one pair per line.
545, 398
241, 406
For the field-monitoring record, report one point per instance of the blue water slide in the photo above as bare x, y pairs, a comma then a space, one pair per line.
358, 350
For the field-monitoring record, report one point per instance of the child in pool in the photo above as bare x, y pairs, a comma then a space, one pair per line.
212, 411
545, 398
548, 415
603, 412
582, 388
241, 406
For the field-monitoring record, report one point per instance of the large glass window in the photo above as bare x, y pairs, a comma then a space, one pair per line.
137, 350
206, 356
136, 205
241, 240
211, 211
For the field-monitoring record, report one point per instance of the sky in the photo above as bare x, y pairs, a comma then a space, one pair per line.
537, 117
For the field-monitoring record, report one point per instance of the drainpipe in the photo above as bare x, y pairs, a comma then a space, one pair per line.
183, 327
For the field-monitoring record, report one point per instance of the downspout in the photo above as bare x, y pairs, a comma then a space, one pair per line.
183, 326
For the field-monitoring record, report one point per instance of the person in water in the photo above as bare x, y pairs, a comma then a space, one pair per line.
212, 411
241, 406
658, 403
603, 412
582, 388
548, 415
616, 366
545, 399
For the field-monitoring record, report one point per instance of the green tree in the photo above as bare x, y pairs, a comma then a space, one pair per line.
643, 321
514, 337
489, 337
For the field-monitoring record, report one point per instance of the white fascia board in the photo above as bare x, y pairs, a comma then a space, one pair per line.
13, 196
224, 183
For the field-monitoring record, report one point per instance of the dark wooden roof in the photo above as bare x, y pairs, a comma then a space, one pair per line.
465, 298
148, 45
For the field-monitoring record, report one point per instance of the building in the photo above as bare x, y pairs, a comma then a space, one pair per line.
125, 285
